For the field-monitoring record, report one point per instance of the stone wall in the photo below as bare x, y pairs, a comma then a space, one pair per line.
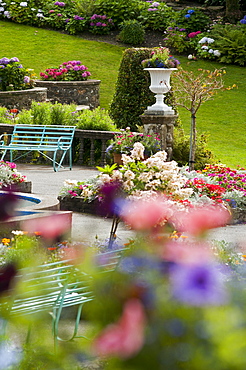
78, 92
22, 99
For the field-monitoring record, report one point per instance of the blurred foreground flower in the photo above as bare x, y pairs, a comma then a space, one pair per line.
125, 338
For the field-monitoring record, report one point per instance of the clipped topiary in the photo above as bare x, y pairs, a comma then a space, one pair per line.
132, 94
132, 32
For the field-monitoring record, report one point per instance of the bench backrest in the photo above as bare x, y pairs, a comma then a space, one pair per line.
42, 135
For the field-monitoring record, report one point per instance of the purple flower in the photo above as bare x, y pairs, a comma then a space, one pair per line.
59, 15
98, 24
78, 18
14, 59
26, 80
198, 285
191, 11
243, 21
187, 15
4, 60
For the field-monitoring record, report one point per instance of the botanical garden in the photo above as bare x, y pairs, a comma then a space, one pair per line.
154, 94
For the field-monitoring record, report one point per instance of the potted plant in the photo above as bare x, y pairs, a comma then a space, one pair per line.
17, 85
68, 83
124, 142
160, 66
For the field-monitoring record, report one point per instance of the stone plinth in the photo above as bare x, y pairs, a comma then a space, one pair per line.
22, 99
161, 124
85, 93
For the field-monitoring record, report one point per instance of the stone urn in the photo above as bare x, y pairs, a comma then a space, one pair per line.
160, 85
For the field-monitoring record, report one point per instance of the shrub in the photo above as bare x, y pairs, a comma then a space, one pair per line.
181, 149
192, 20
75, 24
100, 24
13, 76
97, 119
156, 16
132, 32
119, 10
132, 94
230, 40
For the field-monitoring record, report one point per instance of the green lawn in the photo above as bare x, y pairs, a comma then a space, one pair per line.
223, 117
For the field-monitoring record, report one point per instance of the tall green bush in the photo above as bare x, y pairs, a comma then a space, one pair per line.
132, 32
132, 94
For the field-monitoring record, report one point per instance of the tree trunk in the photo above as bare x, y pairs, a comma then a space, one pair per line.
192, 155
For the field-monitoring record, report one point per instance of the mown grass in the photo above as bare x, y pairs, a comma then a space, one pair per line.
223, 118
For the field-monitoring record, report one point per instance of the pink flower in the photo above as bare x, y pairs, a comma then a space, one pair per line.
198, 220
126, 337
50, 227
144, 215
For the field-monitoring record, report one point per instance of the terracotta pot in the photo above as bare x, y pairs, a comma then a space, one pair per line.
117, 158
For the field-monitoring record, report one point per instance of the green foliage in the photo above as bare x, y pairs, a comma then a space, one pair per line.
63, 114
176, 39
100, 24
132, 32
230, 40
97, 119
5, 116
75, 24
119, 10
191, 21
156, 18
85, 7
181, 148
132, 94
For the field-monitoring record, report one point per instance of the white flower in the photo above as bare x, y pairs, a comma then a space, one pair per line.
190, 57
129, 175
104, 178
86, 193
1, 9
23, 3
154, 4
138, 151
217, 53
211, 51
71, 182
39, 15
33, 9
210, 40
117, 175
17, 232
126, 159
203, 40
204, 47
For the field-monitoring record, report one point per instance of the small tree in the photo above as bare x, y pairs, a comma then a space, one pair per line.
191, 92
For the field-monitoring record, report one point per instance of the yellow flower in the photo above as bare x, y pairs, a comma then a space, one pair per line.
5, 241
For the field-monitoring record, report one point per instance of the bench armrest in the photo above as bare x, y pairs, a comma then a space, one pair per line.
64, 145
3, 138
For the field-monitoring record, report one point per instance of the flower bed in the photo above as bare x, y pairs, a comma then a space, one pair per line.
139, 178
10, 178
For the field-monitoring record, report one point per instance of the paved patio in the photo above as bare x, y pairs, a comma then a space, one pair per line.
46, 184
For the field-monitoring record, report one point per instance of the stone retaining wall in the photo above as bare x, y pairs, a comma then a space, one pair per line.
78, 92
22, 99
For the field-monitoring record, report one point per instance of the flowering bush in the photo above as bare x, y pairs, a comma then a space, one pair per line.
155, 15
124, 142
9, 174
72, 70
160, 58
220, 183
192, 19
13, 76
100, 24
205, 50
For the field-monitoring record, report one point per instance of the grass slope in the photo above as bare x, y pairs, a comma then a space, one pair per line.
223, 117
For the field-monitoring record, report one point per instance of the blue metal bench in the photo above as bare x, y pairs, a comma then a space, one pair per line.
43, 139
54, 286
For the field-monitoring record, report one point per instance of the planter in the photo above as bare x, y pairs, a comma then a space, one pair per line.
117, 158
160, 85
77, 92
22, 187
78, 205
22, 99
